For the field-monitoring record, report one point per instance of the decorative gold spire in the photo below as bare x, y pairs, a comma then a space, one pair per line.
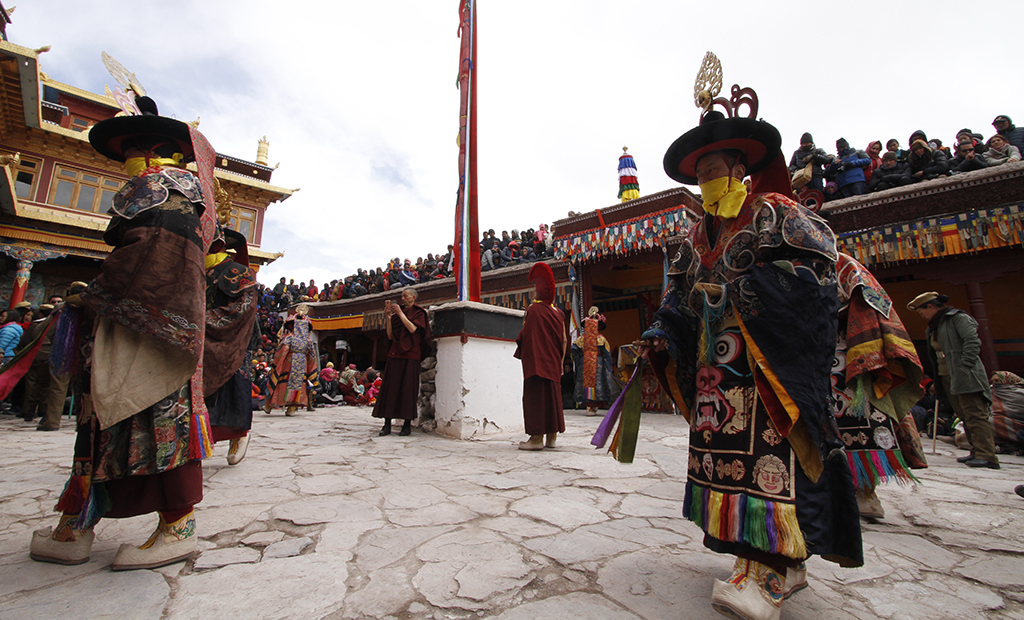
262, 151
223, 200
708, 83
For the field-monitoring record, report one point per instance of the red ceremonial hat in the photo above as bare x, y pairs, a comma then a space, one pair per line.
544, 279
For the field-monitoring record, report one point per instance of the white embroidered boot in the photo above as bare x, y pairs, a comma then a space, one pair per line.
796, 580
63, 545
869, 504
549, 440
753, 592
236, 452
170, 543
536, 442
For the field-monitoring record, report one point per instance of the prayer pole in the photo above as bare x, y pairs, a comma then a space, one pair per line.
467, 230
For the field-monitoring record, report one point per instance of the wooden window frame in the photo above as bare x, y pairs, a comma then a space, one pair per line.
33, 170
101, 185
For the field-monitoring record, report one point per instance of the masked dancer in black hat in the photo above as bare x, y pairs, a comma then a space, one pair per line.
744, 341
142, 422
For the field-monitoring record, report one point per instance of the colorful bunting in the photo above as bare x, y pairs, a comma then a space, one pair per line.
641, 233
948, 235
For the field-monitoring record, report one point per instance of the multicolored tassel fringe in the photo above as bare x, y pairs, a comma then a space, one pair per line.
736, 517
72, 498
873, 467
200, 444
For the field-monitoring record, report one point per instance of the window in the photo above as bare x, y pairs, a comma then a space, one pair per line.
25, 174
80, 124
85, 191
244, 221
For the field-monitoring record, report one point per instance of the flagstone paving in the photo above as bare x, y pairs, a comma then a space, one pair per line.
323, 519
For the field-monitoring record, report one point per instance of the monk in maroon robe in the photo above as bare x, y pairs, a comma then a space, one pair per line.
408, 328
541, 347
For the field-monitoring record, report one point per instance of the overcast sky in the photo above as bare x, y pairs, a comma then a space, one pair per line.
360, 101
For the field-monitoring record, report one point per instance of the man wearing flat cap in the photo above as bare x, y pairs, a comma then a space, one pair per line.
744, 342
954, 350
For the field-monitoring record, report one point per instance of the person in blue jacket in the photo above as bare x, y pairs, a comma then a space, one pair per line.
11, 332
848, 169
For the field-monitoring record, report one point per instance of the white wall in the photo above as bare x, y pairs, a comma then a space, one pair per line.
479, 387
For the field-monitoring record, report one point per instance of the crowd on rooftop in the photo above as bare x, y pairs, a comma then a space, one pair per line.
853, 172
510, 249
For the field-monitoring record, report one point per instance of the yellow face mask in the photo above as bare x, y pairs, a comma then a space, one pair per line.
724, 196
212, 260
134, 165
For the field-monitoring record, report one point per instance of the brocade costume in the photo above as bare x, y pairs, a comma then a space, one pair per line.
876, 379
232, 336
748, 364
140, 437
596, 383
295, 363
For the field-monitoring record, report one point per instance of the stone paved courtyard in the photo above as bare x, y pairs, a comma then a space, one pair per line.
323, 519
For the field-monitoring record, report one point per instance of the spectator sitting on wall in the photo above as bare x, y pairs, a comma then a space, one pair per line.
848, 168
926, 164
1000, 151
976, 139
874, 153
526, 254
967, 158
488, 258
510, 255
809, 154
1005, 127
891, 173
893, 146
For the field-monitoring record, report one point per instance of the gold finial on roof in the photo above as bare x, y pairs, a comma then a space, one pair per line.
40, 50
11, 10
708, 83
625, 149
195, 123
107, 91
262, 151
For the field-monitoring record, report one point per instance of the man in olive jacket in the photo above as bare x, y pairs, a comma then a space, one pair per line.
953, 349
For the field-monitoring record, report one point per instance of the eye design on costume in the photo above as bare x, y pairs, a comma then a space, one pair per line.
839, 362
728, 347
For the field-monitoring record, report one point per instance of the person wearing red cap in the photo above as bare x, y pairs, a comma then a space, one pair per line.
541, 347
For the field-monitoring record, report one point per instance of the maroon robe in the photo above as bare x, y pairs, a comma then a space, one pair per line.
401, 384
541, 347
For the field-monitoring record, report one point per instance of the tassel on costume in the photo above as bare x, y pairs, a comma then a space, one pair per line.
763, 524
859, 405
66, 354
97, 503
200, 445
72, 498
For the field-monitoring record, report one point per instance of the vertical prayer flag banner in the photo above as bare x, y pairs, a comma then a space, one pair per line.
467, 232
629, 188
